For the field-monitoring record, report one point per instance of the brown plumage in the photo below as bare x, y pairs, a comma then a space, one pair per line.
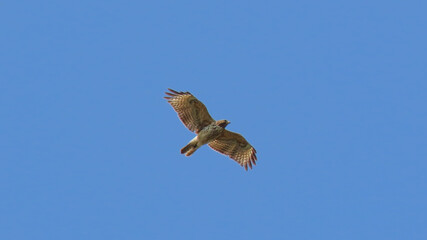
236, 147
195, 116
191, 111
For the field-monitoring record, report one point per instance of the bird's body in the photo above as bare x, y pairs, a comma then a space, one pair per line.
196, 118
205, 136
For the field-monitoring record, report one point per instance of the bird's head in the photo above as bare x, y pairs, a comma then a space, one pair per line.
222, 123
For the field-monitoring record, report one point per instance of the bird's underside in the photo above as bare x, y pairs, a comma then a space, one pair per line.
195, 116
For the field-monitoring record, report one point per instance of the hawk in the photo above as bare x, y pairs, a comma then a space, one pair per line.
195, 116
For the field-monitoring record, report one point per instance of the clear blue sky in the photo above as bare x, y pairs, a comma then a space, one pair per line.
331, 93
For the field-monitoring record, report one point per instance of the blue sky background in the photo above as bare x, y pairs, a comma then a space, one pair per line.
331, 93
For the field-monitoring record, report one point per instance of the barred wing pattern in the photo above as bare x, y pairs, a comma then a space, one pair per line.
236, 147
193, 113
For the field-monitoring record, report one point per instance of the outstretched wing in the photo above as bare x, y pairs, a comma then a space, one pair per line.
236, 147
191, 111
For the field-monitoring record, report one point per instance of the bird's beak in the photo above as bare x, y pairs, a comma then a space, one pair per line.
228, 122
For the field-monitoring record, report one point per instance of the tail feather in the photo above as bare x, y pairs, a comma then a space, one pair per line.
189, 149
186, 148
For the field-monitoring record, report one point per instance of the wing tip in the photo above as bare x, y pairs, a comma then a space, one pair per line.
251, 161
171, 90
174, 93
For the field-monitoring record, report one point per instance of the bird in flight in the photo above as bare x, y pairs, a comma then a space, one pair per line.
195, 116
